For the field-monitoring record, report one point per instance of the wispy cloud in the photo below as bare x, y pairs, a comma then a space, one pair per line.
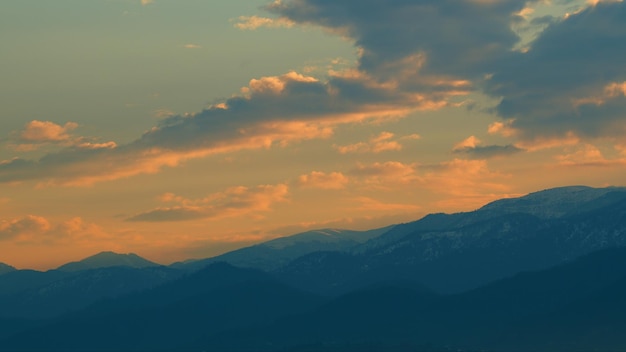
386, 172
321, 180
27, 226
588, 155
38, 230
275, 110
383, 142
37, 134
473, 147
46, 131
255, 22
465, 183
371, 204
233, 202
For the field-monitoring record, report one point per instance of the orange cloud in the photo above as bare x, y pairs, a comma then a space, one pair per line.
469, 142
387, 172
540, 142
255, 22
503, 128
590, 156
272, 111
233, 202
377, 144
610, 91
37, 230
316, 179
596, 2
465, 183
46, 131
27, 226
41, 133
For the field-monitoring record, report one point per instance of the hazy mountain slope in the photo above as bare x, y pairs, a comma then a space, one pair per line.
583, 300
596, 322
77, 291
108, 259
217, 298
556, 202
452, 253
227, 308
278, 252
547, 204
10, 327
5, 268
19, 280
556, 296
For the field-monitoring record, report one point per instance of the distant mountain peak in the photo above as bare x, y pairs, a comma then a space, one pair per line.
327, 235
108, 259
5, 268
551, 203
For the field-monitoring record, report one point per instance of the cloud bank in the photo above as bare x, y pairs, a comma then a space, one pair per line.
413, 55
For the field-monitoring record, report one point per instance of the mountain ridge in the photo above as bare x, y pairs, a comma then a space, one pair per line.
548, 268
455, 252
272, 254
6, 268
107, 259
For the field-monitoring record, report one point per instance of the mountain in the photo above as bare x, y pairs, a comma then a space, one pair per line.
4, 268
578, 306
543, 272
273, 254
30, 294
55, 294
556, 202
215, 299
456, 252
19, 280
108, 259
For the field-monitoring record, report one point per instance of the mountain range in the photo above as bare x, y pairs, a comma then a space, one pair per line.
542, 272
456, 252
276, 253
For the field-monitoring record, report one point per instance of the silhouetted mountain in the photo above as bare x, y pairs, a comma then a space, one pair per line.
580, 305
106, 260
543, 272
273, 254
71, 292
19, 280
34, 294
452, 253
596, 322
212, 300
10, 327
4, 268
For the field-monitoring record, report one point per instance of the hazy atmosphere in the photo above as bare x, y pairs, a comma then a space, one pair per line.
184, 129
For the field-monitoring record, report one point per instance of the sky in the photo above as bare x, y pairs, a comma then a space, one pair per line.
180, 129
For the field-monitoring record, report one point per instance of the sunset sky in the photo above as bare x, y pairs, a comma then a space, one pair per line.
182, 129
